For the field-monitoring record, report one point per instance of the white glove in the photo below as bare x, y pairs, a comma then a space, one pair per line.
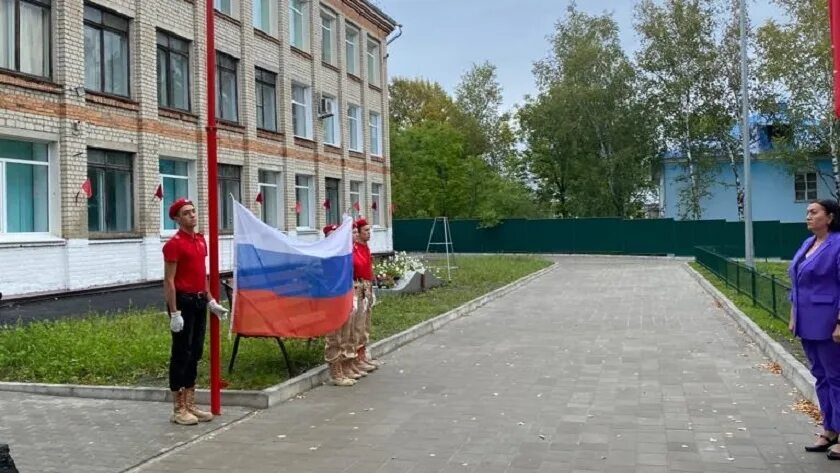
217, 309
176, 322
355, 305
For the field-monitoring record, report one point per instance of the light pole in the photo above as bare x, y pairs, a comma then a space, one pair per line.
749, 251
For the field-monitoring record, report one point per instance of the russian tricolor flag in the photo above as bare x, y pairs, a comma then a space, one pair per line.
289, 288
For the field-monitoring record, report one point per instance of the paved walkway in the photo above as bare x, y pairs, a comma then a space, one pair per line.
603, 365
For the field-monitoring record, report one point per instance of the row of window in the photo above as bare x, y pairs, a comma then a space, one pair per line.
25, 45
25, 192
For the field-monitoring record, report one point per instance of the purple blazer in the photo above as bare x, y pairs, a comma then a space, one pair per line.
815, 288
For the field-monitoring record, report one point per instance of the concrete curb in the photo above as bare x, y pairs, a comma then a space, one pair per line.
281, 392
792, 369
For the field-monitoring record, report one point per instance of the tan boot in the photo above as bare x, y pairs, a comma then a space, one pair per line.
180, 415
362, 355
362, 366
202, 416
347, 367
337, 377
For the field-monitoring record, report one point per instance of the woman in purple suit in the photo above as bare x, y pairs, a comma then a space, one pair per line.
815, 314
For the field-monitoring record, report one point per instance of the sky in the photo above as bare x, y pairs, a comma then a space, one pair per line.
442, 38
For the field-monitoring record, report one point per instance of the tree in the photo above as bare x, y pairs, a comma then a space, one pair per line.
589, 139
796, 62
679, 59
416, 101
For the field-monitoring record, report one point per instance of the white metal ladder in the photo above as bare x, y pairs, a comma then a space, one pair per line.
448, 246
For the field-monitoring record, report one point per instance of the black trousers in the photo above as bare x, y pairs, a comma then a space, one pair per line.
188, 344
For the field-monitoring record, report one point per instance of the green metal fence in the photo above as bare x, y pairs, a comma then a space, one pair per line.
766, 291
604, 236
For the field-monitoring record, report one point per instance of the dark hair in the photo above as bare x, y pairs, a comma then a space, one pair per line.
832, 208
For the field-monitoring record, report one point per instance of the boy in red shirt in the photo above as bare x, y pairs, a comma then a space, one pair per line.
185, 288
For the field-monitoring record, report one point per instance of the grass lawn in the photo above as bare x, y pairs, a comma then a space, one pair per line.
776, 328
133, 348
775, 268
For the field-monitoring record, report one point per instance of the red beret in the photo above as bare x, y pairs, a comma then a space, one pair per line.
176, 207
361, 222
329, 229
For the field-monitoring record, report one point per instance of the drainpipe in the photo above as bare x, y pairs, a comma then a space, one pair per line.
399, 33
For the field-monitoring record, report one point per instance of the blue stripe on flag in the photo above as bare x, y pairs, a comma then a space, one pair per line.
292, 275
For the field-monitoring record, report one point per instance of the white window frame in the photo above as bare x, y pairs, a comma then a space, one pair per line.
815, 190
329, 31
376, 196
307, 107
191, 189
51, 200
234, 8
374, 66
375, 125
271, 27
335, 119
310, 197
359, 197
303, 12
354, 115
351, 49
278, 185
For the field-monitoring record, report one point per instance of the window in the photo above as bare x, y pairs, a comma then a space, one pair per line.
264, 15
25, 36
334, 198
228, 7
106, 52
332, 127
356, 202
373, 61
226, 106
229, 182
301, 114
270, 190
354, 125
173, 71
351, 44
298, 26
375, 134
303, 201
805, 185
24, 187
175, 182
266, 99
328, 53
112, 205
376, 203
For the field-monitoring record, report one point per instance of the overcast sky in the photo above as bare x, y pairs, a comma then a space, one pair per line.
442, 38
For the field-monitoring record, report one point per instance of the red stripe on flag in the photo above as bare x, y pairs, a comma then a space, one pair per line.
264, 313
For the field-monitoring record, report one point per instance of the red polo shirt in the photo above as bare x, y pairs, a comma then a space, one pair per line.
189, 252
362, 262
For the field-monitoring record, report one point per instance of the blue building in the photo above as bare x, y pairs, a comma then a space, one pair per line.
777, 193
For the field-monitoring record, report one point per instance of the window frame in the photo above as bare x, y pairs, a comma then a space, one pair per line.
378, 149
349, 30
303, 11
101, 28
224, 69
263, 80
329, 32
190, 178
360, 198
271, 5
223, 198
335, 119
359, 135
6, 235
804, 176
374, 61
233, 8
376, 197
48, 53
169, 51
307, 106
335, 205
102, 229
278, 187
310, 198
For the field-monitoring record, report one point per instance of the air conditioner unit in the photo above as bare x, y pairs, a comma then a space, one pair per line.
325, 107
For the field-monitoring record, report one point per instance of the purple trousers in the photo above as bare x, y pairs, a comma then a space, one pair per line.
824, 356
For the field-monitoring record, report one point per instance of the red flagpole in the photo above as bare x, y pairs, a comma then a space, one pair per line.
213, 205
